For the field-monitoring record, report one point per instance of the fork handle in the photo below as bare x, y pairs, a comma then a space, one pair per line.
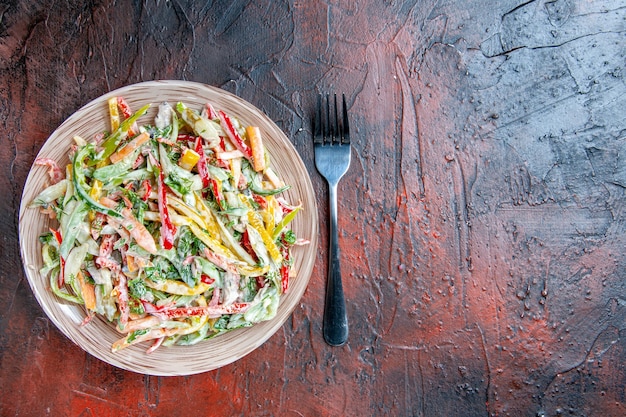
335, 317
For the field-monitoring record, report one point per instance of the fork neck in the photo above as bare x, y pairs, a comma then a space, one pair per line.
332, 206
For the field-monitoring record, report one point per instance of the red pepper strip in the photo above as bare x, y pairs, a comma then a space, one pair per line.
286, 209
206, 279
147, 190
260, 200
122, 297
284, 276
227, 126
210, 112
168, 230
186, 138
210, 311
122, 104
245, 243
201, 165
217, 193
59, 239
260, 282
57, 235
203, 171
285, 268
124, 107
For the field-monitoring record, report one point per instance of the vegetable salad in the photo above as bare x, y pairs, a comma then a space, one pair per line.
175, 231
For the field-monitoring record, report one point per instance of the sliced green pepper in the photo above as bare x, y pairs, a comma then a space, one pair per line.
72, 228
120, 168
80, 184
54, 285
257, 188
284, 222
111, 143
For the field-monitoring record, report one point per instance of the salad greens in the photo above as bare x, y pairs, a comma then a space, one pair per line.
175, 231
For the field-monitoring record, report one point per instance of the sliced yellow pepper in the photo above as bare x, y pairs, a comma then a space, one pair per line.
235, 171
268, 214
252, 271
189, 159
216, 247
272, 249
95, 193
256, 223
177, 287
186, 210
211, 225
177, 219
114, 114
211, 242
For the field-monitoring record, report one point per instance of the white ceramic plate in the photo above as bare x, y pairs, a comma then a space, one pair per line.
97, 336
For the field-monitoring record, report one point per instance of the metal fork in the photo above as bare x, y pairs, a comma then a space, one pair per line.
331, 138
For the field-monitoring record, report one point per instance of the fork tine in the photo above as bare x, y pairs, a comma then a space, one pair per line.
317, 120
328, 131
336, 139
345, 136
330, 125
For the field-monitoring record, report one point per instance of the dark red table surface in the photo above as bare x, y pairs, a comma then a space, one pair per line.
482, 219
